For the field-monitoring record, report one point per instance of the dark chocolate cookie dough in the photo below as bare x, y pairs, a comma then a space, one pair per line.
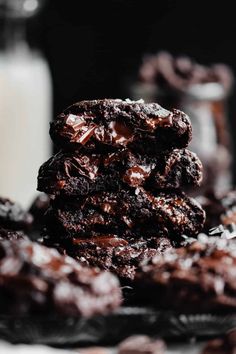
133, 212
112, 123
120, 256
75, 174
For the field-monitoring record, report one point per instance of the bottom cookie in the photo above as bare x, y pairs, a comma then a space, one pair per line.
112, 253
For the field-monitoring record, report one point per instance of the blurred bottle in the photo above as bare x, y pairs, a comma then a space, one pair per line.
25, 104
202, 93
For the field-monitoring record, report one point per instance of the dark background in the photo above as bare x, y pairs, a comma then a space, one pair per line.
93, 46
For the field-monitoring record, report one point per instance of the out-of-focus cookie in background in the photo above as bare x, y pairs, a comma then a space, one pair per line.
202, 92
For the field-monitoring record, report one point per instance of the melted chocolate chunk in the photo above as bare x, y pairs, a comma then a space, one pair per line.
199, 277
109, 252
38, 280
110, 124
126, 212
13, 217
75, 174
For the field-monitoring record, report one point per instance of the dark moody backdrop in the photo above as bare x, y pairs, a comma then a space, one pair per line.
93, 46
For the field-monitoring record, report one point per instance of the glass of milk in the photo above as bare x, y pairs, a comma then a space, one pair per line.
25, 104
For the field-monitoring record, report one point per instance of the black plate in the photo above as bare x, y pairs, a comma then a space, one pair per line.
113, 328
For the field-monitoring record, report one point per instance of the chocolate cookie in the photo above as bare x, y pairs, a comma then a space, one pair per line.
118, 255
200, 277
111, 124
179, 73
127, 212
81, 174
38, 280
13, 217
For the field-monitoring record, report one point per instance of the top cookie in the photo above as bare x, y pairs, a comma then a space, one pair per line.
110, 124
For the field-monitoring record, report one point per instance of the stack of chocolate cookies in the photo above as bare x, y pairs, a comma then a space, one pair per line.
116, 184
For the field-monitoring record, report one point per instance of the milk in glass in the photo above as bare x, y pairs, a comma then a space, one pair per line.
25, 112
